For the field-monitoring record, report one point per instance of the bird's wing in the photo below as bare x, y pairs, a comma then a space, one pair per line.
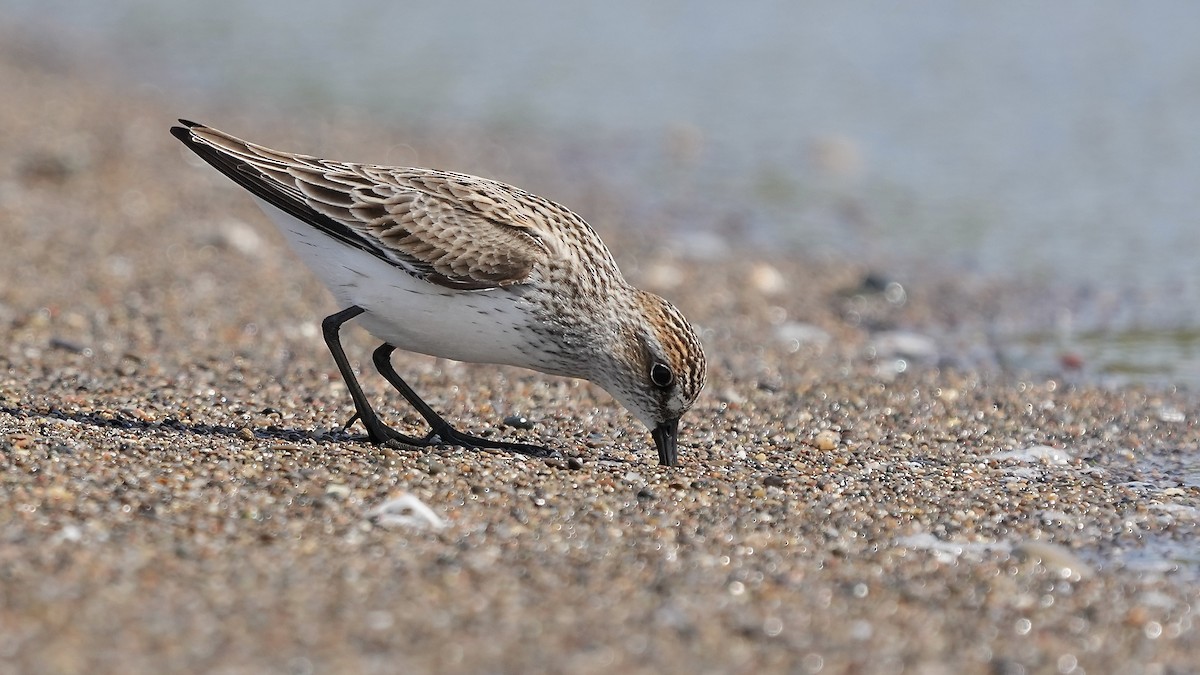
451, 229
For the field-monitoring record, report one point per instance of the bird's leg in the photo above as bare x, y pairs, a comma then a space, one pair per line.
377, 431
442, 433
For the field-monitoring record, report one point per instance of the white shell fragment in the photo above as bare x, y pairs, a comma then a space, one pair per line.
1042, 454
406, 510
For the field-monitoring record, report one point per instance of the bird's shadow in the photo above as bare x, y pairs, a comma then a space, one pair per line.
124, 422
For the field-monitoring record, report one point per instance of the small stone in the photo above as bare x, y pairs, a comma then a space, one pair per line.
1036, 454
1171, 415
731, 395
138, 414
774, 481
663, 275
795, 334
405, 510
1054, 557
518, 422
1071, 361
431, 466
767, 280
238, 236
770, 385
827, 440
904, 345
69, 346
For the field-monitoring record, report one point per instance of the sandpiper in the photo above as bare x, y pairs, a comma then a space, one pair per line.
470, 269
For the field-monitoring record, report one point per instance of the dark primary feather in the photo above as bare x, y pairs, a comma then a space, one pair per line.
451, 229
243, 174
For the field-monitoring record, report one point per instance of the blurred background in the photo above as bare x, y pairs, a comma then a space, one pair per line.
1051, 146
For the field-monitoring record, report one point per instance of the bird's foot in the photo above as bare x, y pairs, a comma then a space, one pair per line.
448, 435
381, 434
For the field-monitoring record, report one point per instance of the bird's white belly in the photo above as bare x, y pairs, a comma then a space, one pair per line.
488, 326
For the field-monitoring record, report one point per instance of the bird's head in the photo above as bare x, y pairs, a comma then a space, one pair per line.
659, 370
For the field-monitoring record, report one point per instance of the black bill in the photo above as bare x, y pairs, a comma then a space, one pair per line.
666, 439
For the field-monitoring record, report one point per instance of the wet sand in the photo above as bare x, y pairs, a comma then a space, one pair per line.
177, 495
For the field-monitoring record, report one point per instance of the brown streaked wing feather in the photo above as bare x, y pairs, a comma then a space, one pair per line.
459, 237
451, 229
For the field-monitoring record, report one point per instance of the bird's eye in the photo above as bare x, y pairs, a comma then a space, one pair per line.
661, 375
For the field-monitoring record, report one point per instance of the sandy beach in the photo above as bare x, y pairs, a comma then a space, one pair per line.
852, 497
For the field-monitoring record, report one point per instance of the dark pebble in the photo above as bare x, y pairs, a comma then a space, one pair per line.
518, 422
69, 346
774, 481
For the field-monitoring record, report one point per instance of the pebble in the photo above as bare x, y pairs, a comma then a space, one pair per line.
1042, 454
663, 275
1171, 415
775, 481
405, 510
518, 422
1054, 557
240, 237
827, 440
766, 279
905, 345
795, 335
337, 490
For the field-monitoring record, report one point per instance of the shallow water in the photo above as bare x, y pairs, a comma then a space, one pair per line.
1160, 555
1047, 141
1157, 355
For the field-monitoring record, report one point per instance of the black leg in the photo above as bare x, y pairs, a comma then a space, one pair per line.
377, 431
442, 433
